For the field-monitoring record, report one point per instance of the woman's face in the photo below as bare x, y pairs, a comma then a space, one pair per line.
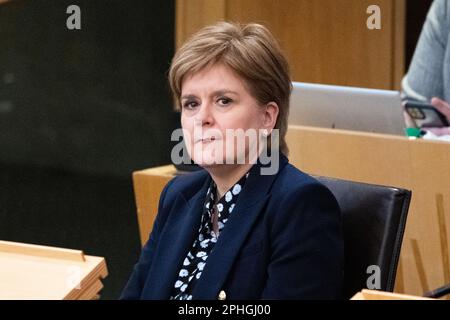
221, 121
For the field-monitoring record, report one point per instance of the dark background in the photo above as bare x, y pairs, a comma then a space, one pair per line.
80, 111
416, 11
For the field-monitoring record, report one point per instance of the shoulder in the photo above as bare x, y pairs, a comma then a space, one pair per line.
186, 184
292, 183
300, 203
440, 7
300, 199
438, 16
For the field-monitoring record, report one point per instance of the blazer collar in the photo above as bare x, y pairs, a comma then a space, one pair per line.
176, 238
180, 231
248, 207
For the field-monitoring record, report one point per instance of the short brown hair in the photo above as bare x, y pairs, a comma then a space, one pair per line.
251, 51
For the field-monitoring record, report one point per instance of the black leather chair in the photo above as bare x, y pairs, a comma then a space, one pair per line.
374, 219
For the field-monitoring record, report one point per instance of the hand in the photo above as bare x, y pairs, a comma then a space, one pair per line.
408, 120
444, 108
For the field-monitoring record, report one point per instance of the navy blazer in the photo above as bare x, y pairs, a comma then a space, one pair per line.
282, 241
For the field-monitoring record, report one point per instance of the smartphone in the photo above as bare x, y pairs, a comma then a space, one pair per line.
425, 115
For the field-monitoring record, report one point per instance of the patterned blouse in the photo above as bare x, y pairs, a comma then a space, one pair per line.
195, 261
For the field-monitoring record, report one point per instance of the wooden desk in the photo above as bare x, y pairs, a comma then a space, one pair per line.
33, 272
382, 295
421, 166
148, 185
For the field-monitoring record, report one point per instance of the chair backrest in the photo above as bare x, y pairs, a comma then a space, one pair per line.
374, 219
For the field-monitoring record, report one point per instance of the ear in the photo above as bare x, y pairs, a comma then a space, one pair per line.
270, 116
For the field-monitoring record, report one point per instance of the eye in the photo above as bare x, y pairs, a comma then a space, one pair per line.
190, 104
224, 101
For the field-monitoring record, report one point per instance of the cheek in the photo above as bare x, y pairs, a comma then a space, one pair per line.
244, 120
188, 128
232, 118
186, 123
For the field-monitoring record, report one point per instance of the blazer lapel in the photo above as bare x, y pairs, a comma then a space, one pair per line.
176, 238
248, 207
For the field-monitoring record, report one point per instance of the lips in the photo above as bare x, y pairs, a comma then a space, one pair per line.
207, 139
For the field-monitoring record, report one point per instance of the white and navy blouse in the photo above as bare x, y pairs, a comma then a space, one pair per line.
209, 231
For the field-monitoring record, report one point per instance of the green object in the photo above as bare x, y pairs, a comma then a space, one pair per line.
413, 132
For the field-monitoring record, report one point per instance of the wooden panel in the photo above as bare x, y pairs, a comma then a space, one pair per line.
41, 251
91, 292
429, 227
399, 44
382, 295
323, 152
192, 15
421, 166
325, 41
147, 192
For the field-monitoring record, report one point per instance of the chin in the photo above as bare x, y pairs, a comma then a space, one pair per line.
209, 167
207, 160
211, 162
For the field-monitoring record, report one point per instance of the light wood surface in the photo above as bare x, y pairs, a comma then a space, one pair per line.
192, 15
30, 272
325, 41
41, 251
382, 295
417, 165
91, 292
91, 272
146, 192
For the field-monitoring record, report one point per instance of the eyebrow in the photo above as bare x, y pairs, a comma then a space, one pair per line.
215, 93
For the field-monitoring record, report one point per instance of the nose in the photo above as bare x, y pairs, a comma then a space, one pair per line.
204, 116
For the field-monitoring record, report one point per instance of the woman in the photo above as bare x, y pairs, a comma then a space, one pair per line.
428, 77
232, 231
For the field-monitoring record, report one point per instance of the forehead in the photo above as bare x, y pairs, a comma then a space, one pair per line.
214, 77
